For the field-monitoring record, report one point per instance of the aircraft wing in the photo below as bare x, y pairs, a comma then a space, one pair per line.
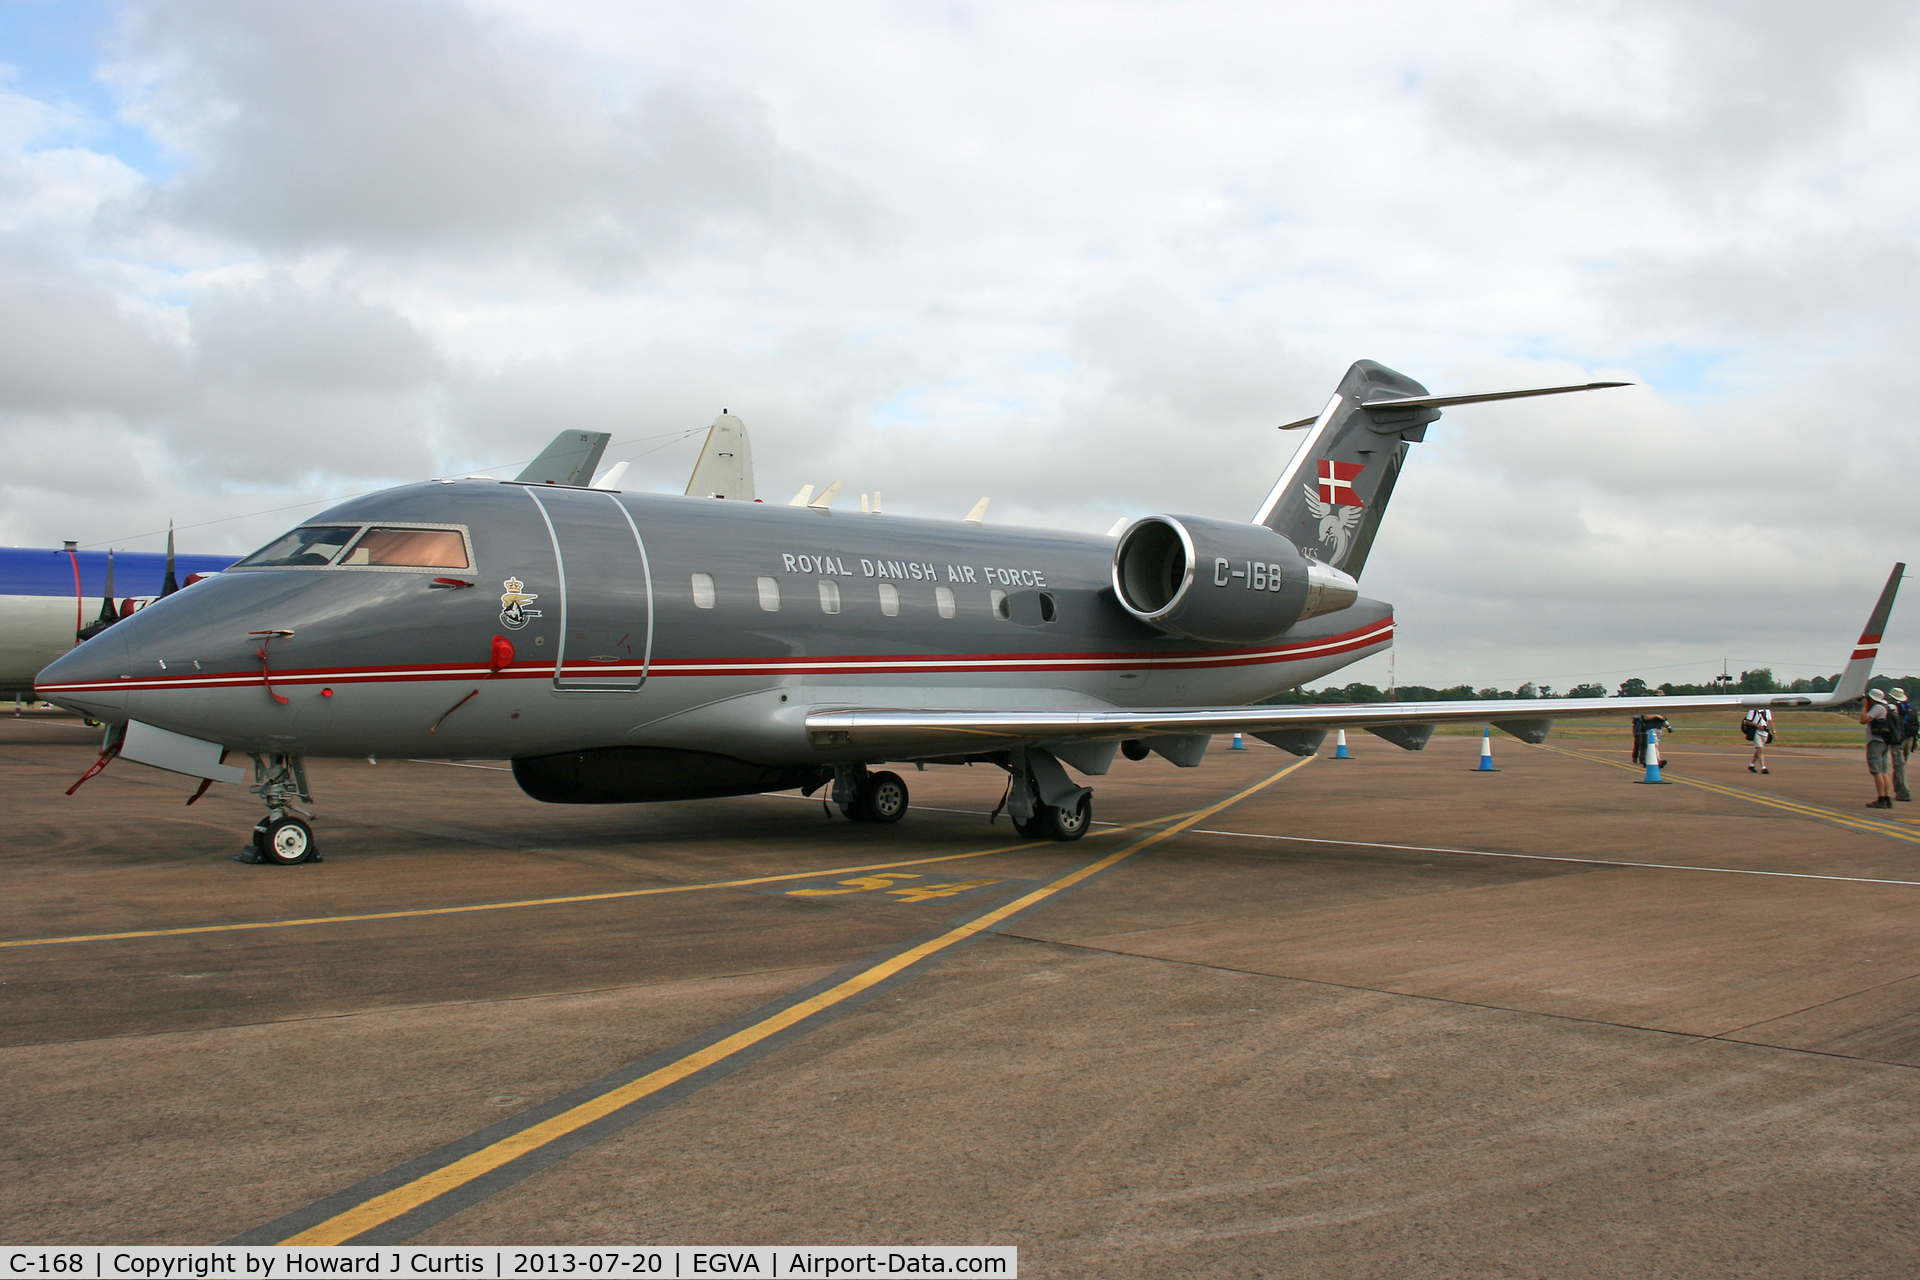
1526, 718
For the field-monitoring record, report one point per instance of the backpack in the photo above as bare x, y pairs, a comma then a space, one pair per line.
1909, 722
1887, 728
1751, 725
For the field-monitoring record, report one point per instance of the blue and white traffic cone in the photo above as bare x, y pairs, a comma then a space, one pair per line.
1653, 761
1238, 745
1486, 752
1340, 747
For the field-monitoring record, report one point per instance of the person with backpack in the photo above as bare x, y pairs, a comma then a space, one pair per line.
1909, 726
1758, 726
1883, 738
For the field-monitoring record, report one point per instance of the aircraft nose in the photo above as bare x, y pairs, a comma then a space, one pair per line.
91, 678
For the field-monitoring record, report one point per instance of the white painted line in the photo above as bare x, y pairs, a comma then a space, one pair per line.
1542, 857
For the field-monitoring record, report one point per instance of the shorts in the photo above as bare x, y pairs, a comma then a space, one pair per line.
1879, 756
1761, 737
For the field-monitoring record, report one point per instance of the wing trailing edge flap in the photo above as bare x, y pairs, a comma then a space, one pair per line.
976, 730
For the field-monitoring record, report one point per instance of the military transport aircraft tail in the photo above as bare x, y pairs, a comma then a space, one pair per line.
1331, 497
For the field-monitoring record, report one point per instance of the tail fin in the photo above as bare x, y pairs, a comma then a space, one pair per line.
1334, 492
1853, 681
1332, 495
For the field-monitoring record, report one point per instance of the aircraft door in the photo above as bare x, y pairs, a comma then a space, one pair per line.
606, 591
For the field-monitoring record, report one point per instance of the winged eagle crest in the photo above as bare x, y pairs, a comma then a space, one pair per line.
1337, 524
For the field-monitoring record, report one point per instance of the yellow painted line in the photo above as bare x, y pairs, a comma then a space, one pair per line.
1879, 828
403, 1199
415, 912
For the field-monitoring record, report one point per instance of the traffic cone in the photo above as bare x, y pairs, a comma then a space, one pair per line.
1653, 763
1486, 752
1340, 747
1238, 745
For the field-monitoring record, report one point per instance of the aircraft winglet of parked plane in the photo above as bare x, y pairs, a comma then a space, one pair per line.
622, 647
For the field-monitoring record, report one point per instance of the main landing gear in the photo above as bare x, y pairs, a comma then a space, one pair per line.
1043, 802
869, 797
283, 837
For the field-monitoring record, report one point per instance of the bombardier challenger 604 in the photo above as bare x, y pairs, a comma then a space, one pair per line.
622, 647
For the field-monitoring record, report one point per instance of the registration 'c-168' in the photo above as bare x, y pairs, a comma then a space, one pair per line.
621, 647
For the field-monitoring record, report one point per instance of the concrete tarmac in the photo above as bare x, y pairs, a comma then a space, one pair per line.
1384, 1017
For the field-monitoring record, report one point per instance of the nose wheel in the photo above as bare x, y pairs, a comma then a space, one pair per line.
869, 797
285, 841
281, 838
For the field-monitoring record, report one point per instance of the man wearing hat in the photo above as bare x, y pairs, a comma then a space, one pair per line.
1882, 727
1904, 717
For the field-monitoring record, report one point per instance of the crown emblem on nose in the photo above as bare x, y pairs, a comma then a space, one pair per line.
513, 604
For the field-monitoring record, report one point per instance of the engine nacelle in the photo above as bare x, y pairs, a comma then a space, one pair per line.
1221, 581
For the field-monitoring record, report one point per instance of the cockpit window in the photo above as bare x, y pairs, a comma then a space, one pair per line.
317, 544
410, 548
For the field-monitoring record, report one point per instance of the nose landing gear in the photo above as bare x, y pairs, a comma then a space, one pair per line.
281, 838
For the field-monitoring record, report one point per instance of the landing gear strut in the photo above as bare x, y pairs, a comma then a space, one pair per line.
869, 797
281, 837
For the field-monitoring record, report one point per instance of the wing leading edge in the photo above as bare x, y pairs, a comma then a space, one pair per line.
974, 729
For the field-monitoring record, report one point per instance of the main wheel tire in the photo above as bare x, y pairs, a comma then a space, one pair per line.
1065, 824
884, 798
286, 842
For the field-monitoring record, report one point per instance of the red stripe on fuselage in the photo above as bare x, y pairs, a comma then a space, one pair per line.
877, 664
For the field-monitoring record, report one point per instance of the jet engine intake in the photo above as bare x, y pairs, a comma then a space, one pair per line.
1221, 581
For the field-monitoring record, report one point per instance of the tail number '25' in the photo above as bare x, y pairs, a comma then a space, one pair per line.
1257, 576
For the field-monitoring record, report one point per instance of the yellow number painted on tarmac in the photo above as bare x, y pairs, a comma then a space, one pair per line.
860, 884
922, 892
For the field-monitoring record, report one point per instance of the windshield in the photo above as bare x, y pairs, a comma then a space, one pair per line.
316, 545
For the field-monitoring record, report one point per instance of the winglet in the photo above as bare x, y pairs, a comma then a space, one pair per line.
1853, 681
572, 458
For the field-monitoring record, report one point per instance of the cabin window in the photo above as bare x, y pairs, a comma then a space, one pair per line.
410, 549
889, 599
943, 600
769, 594
1048, 611
829, 596
999, 601
317, 544
703, 591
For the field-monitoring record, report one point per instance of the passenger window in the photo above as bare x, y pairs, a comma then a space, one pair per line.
769, 594
999, 601
889, 599
829, 596
410, 548
703, 591
943, 600
1048, 613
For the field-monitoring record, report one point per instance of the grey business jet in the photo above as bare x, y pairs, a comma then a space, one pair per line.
622, 647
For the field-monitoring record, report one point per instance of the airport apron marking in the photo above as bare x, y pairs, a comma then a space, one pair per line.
402, 1202
611, 896
1772, 802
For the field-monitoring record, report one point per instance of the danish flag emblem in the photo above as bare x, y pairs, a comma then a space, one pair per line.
1336, 483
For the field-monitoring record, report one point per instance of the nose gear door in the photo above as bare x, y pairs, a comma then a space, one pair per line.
606, 591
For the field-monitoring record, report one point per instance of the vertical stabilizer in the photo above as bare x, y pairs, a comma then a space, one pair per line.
725, 469
1331, 497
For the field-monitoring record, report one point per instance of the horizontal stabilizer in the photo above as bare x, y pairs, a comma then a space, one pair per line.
1443, 402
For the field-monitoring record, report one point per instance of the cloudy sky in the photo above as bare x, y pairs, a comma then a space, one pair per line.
1081, 257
